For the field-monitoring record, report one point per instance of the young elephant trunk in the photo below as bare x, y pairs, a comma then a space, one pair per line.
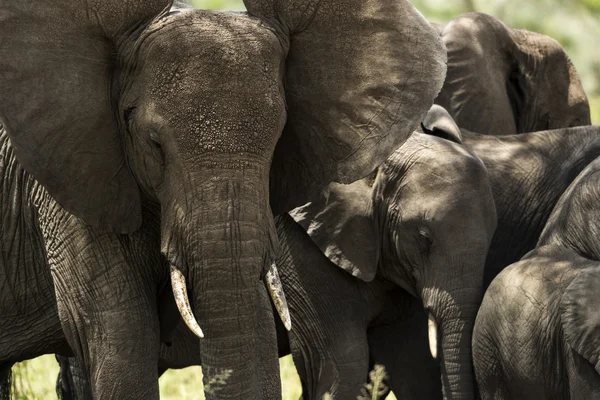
451, 320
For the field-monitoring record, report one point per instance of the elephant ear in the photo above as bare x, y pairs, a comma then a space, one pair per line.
359, 77
57, 61
475, 89
544, 82
341, 224
580, 315
439, 123
496, 76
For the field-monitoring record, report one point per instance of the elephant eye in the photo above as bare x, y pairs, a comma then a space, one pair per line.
154, 138
128, 114
425, 238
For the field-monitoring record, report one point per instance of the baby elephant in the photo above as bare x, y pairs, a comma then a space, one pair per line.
537, 334
422, 223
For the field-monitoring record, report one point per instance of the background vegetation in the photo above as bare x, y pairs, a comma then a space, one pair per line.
574, 23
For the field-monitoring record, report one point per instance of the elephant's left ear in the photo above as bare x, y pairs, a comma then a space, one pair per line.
359, 77
580, 314
341, 225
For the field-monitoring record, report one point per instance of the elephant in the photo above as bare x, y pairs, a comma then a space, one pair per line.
426, 231
536, 335
555, 290
528, 174
191, 129
504, 81
442, 219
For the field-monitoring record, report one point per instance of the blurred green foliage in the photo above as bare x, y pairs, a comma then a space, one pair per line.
573, 23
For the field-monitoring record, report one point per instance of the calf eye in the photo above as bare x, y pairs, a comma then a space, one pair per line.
128, 114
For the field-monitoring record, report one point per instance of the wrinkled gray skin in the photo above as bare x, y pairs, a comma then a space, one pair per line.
118, 104
537, 334
335, 336
537, 331
504, 81
441, 218
528, 174
423, 223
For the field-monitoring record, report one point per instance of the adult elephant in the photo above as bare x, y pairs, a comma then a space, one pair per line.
504, 81
425, 230
528, 174
215, 119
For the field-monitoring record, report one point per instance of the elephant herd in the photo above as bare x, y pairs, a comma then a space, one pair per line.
341, 181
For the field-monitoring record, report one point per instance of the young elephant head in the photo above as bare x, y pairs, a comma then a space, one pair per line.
507, 81
425, 222
105, 100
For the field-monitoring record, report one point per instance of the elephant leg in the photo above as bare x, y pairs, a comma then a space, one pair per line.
72, 383
339, 369
107, 308
106, 288
118, 348
5, 380
328, 339
401, 344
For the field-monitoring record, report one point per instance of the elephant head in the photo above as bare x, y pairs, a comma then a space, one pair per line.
507, 81
424, 221
221, 118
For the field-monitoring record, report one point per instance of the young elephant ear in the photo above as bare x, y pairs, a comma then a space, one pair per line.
580, 309
439, 123
359, 77
57, 61
341, 224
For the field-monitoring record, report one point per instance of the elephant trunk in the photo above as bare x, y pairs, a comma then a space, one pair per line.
451, 320
225, 247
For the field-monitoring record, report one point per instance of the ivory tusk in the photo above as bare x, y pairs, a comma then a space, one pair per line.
276, 291
182, 301
433, 336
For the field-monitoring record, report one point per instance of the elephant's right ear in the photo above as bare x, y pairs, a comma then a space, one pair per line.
341, 224
359, 77
580, 315
57, 61
439, 123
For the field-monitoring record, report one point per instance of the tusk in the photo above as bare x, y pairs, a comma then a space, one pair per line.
183, 303
276, 291
433, 336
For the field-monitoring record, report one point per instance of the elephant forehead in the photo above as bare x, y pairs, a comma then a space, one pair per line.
217, 76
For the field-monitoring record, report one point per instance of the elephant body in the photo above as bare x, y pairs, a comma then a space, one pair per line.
531, 338
549, 297
504, 81
528, 174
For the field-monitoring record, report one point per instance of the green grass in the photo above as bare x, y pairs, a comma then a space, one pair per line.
36, 380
